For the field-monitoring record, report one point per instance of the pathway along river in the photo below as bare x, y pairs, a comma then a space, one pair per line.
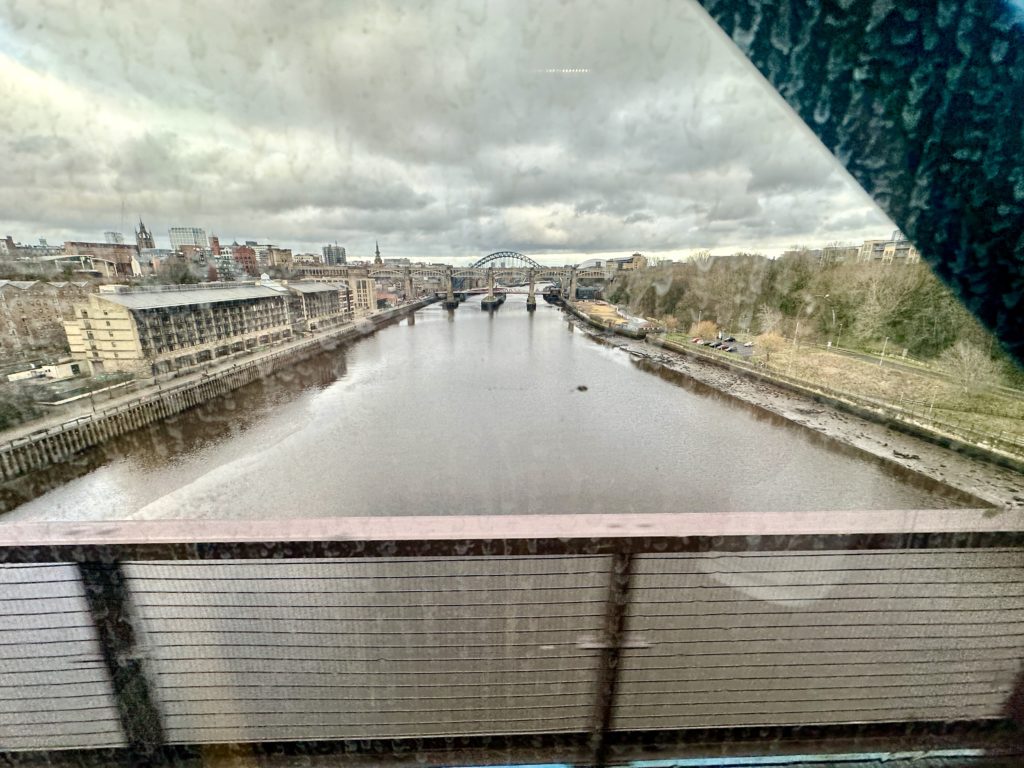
465, 412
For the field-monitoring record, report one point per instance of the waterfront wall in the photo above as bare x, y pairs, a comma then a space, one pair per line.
1006, 453
59, 443
618, 329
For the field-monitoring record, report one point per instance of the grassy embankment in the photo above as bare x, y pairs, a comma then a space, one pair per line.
923, 392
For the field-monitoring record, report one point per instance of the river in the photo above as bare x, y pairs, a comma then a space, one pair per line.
465, 412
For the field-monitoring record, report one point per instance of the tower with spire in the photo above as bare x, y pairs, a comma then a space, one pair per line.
377, 259
143, 237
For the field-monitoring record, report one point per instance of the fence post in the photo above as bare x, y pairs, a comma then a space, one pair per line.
611, 649
106, 591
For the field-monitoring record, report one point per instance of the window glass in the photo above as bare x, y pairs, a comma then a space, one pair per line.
626, 368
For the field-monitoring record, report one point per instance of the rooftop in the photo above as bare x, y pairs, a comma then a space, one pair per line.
313, 287
18, 283
26, 284
186, 297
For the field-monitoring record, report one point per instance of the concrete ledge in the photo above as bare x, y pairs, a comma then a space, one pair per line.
503, 535
620, 331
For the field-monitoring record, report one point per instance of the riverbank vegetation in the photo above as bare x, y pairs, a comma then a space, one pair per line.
936, 359
901, 308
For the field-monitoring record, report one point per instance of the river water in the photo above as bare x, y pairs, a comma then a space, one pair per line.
465, 412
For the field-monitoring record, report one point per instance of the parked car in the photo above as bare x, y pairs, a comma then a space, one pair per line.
697, 340
729, 339
748, 344
729, 348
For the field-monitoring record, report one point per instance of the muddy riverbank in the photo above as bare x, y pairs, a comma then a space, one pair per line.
999, 487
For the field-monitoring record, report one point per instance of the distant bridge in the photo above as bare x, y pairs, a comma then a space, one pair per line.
504, 256
525, 271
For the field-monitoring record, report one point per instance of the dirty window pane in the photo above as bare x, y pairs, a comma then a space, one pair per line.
509, 382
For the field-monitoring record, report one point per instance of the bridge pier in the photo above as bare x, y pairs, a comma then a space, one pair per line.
452, 293
569, 288
409, 293
450, 301
490, 301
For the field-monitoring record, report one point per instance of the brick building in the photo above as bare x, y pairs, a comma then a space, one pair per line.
109, 259
32, 314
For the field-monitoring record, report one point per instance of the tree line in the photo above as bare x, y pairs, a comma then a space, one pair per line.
854, 305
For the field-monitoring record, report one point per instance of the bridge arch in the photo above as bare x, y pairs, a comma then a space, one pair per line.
514, 255
551, 273
431, 273
384, 272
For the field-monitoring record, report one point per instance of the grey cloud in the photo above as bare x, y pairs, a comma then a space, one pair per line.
589, 206
853, 220
436, 124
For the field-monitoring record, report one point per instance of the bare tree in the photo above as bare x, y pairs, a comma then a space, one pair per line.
883, 292
769, 318
766, 345
705, 329
177, 273
971, 367
701, 257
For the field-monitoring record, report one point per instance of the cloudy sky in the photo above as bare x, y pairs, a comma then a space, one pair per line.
447, 129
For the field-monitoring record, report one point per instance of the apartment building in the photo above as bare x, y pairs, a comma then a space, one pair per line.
363, 291
334, 254
838, 254
362, 288
193, 237
896, 250
156, 331
636, 261
318, 306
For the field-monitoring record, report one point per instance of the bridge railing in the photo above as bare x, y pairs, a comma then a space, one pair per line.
579, 639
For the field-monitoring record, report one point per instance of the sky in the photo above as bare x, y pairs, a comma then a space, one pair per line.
444, 129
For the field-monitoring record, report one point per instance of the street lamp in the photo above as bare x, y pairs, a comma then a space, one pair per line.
831, 308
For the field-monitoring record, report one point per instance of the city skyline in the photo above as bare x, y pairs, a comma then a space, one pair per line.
556, 259
443, 133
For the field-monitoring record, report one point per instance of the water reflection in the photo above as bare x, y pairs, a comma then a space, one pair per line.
467, 412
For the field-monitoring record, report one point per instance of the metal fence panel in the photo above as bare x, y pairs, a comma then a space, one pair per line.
55, 690
819, 638
370, 648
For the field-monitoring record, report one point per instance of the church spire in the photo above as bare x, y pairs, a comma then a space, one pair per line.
143, 237
376, 258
